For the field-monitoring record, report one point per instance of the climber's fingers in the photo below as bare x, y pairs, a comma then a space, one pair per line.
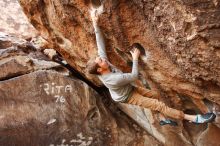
94, 14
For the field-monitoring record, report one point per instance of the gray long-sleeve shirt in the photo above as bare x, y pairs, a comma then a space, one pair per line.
118, 83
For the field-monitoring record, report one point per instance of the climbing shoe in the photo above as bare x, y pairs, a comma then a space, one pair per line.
169, 122
205, 118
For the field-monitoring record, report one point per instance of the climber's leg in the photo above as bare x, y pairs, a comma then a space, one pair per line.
153, 94
156, 105
189, 117
147, 93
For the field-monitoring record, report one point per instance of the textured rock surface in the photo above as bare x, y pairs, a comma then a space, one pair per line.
13, 20
18, 57
67, 23
48, 108
181, 37
42, 104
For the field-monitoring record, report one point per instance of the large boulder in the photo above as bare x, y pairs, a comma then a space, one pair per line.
48, 108
43, 104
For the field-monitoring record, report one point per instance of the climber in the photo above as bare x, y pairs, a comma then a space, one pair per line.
121, 88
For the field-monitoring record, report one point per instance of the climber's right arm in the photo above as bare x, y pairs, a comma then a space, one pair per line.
100, 41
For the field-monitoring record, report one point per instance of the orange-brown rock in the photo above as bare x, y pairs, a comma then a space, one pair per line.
181, 37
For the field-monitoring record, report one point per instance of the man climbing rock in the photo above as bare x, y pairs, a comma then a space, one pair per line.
121, 88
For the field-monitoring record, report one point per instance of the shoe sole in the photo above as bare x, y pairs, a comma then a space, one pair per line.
211, 119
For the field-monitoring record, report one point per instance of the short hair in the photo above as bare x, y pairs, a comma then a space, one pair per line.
92, 68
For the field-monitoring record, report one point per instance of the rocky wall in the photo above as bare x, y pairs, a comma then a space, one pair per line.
181, 38
13, 20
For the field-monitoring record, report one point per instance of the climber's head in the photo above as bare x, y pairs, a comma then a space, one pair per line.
99, 66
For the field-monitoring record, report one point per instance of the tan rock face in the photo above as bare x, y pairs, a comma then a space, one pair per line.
181, 38
18, 57
13, 20
178, 36
46, 108
42, 104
